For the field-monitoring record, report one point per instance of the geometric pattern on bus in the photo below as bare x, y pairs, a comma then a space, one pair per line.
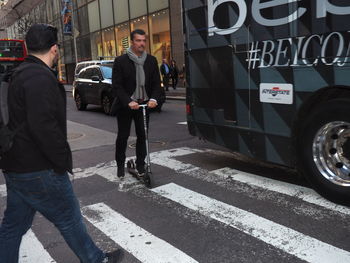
225, 94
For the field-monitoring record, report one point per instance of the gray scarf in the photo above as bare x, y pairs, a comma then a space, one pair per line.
140, 92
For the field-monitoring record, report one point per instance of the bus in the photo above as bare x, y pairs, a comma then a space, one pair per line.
12, 53
271, 80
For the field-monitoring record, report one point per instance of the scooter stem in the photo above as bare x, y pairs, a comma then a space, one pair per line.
148, 161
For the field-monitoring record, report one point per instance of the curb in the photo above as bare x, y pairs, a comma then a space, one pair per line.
175, 98
167, 97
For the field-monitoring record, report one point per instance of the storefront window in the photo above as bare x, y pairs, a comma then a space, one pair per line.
96, 45
160, 35
83, 21
108, 42
122, 32
121, 11
106, 11
49, 11
84, 48
138, 8
155, 5
42, 13
141, 23
94, 16
80, 2
69, 52
56, 9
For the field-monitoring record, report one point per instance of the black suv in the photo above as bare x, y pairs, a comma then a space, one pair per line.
93, 85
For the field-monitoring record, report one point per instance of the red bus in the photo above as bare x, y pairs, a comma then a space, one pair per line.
12, 53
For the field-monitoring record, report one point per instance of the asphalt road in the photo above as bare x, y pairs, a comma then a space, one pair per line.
205, 205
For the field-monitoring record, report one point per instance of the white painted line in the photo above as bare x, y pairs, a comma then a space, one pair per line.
182, 123
284, 238
300, 192
108, 170
137, 241
31, 250
3, 191
165, 158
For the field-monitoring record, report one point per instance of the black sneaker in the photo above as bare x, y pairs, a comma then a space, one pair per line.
121, 172
114, 256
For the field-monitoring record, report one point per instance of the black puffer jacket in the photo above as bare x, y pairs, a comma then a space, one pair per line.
38, 100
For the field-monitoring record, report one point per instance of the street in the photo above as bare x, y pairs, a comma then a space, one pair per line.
205, 205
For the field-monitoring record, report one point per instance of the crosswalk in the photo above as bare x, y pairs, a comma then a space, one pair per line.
145, 246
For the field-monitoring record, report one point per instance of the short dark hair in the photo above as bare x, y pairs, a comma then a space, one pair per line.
137, 31
40, 38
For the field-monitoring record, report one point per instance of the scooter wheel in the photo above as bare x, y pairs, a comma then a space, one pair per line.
147, 180
130, 164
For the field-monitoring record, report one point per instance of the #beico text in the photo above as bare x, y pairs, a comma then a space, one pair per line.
295, 52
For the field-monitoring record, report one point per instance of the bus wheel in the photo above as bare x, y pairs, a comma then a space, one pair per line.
324, 149
79, 103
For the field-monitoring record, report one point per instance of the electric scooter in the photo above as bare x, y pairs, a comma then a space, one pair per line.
131, 166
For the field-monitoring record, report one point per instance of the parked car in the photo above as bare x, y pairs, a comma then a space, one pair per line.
85, 64
93, 85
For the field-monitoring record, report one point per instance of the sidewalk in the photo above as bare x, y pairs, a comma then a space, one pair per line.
178, 94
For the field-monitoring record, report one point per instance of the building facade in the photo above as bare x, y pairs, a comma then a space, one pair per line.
101, 28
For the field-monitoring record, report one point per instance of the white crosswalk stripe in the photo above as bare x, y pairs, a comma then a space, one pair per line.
140, 243
284, 238
32, 250
145, 246
299, 192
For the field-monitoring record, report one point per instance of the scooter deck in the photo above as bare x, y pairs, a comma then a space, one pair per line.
145, 178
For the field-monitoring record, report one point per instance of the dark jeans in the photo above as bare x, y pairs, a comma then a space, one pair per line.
125, 117
52, 195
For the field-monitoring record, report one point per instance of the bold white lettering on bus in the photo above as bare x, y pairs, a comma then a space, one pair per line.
268, 53
257, 6
325, 45
324, 6
347, 55
297, 50
213, 4
306, 46
282, 52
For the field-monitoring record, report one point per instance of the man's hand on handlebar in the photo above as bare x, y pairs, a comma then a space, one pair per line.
152, 104
134, 105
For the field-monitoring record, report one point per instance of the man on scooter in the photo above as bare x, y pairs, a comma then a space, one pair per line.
135, 80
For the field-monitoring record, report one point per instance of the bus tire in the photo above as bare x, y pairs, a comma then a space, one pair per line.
323, 149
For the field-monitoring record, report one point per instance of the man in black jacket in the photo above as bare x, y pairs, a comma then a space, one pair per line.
36, 167
136, 80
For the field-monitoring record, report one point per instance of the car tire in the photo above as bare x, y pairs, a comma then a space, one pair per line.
79, 102
106, 103
323, 149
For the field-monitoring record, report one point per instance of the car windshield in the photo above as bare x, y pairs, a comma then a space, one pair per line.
107, 72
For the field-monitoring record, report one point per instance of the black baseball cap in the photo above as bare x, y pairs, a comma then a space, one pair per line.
41, 37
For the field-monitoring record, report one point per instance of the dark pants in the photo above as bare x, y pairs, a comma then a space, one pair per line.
174, 81
166, 79
52, 195
125, 117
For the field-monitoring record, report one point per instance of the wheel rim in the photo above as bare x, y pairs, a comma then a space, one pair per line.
106, 104
331, 152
